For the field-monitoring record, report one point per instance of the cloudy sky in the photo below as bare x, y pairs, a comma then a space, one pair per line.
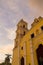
11, 11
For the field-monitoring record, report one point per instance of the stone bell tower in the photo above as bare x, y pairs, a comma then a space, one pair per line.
21, 31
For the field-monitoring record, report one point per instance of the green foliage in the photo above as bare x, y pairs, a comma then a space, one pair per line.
5, 64
2, 63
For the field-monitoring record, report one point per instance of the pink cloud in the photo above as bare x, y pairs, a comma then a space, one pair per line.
37, 6
6, 49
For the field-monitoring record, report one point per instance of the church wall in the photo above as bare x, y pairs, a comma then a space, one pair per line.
29, 45
15, 56
27, 54
35, 42
34, 29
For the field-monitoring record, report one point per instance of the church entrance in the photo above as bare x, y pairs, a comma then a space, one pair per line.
39, 52
22, 61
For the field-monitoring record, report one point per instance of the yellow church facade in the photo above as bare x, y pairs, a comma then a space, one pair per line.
28, 48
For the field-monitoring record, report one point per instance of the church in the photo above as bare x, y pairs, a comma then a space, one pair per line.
28, 49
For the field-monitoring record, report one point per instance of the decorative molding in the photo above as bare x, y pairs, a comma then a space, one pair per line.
32, 51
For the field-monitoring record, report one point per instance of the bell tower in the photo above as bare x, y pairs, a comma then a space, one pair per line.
21, 31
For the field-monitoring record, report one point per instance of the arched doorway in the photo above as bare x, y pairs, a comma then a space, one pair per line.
22, 61
39, 52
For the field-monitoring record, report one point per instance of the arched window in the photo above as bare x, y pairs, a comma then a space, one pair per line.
23, 26
24, 33
22, 61
39, 52
32, 35
22, 48
41, 27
